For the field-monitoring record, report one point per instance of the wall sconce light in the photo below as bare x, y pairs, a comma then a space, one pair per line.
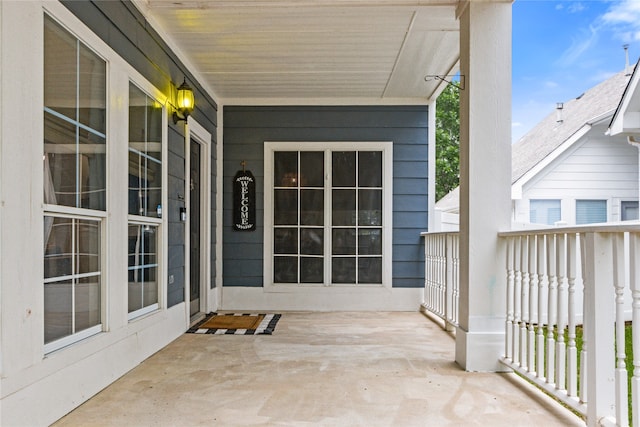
185, 102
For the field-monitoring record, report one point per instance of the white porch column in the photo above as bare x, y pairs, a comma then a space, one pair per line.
485, 181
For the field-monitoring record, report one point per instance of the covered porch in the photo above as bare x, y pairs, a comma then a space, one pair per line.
333, 369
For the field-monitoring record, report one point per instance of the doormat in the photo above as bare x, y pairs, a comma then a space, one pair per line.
236, 324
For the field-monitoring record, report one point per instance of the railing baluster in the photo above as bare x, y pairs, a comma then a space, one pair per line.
586, 324
634, 267
449, 296
442, 276
542, 284
551, 307
561, 346
533, 303
622, 410
517, 299
572, 353
456, 278
524, 267
509, 321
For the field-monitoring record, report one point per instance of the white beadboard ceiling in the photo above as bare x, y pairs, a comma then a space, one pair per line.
373, 50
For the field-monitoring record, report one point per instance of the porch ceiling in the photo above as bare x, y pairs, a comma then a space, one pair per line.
312, 49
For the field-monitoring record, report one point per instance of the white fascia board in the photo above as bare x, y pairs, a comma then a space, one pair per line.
516, 187
619, 124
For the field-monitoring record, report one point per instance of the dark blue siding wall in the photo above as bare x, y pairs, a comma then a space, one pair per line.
124, 28
247, 128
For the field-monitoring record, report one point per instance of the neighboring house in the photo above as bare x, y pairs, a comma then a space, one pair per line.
117, 221
626, 120
566, 170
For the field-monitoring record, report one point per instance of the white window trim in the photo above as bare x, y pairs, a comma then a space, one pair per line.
387, 213
118, 74
162, 222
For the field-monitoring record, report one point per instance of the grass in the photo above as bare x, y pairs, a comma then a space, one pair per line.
628, 353
628, 349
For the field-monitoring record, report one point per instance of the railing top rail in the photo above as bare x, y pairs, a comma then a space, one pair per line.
618, 227
438, 233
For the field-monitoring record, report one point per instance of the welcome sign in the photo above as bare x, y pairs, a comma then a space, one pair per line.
244, 201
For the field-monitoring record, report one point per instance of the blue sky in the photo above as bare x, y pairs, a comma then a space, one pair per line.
562, 48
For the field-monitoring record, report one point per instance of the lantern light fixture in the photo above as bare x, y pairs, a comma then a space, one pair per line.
184, 102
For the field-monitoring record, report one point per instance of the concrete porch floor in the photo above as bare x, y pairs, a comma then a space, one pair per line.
318, 369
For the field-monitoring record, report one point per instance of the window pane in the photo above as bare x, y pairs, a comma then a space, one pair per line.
137, 184
285, 269
344, 207
59, 161
370, 270
88, 244
75, 87
57, 310
629, 210
369, 207
344, 169
143, 264
60, 69
343, 270
153, 172
311, 270
370, 241
87, 303
285, 207
591, 211
150, 290
312, 169
312, 207
343, 241
285, 241
92, 171
370, 169
58, 254
145, 153
311, 241
285, 169
92, 90
544, 211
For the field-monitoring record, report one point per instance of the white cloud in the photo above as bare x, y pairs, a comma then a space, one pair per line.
624, 12
623, 19
576, 7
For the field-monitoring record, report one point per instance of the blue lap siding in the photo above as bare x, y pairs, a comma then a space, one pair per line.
247, 128
124, 29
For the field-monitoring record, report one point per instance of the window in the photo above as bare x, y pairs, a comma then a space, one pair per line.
544, 211
591, 211
145, 200
326, 213
74, 164
629, 210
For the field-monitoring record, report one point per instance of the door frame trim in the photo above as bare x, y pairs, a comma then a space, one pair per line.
195, 131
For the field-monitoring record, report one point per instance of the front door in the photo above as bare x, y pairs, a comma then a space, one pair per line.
194, 227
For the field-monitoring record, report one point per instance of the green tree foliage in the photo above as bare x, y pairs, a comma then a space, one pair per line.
447, 141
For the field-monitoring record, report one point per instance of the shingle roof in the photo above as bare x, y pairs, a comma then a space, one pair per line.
549, 134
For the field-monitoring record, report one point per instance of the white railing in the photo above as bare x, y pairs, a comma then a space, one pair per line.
573, 307
571, 295
441, 281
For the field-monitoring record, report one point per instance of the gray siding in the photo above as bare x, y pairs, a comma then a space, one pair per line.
246, 129
124, 28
